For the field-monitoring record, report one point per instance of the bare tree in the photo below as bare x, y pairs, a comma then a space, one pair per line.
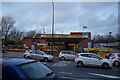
96, 38
104, 39
117, 37
111, 39
15, 35
31, 33
7, 23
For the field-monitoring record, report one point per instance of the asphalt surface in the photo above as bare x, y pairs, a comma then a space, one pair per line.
67, 70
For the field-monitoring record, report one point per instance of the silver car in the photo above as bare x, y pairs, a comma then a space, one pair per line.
67, 55
39, 55
91, 59
114, 58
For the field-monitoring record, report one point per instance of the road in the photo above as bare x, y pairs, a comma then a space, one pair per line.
68, 70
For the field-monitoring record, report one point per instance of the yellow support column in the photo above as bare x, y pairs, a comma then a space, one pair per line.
53, 46
77, 45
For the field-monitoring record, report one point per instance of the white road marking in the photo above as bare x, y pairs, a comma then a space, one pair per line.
75, 78
108, 76
44, 62
61, 64
69, 78
65, 73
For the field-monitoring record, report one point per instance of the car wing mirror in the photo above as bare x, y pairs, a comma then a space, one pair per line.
100, 59
108, 57
71, 53
74, 54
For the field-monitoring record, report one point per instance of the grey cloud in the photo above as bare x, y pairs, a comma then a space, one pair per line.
111, 16
7, 4
98, 17
96, 6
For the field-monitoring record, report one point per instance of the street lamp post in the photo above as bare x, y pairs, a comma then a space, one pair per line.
4, 37
52, 27
110, 37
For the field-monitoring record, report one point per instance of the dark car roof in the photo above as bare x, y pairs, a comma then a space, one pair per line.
15, 61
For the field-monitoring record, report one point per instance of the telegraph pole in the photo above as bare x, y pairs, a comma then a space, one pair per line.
43, 30
52, 27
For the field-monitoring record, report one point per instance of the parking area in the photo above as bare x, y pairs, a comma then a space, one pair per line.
68, 69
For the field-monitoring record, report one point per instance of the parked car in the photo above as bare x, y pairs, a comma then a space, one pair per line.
114, 58
67, 55
24, 69
39, 55
86, 59
108, 55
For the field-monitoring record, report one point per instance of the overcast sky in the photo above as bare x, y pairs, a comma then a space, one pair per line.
99, 17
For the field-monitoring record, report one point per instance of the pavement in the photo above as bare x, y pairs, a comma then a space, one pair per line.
67, 70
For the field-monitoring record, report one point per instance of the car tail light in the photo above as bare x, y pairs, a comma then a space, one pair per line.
113, 57
108, 57
77, 56
3, 65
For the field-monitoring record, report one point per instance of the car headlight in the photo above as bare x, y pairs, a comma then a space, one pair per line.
51, 56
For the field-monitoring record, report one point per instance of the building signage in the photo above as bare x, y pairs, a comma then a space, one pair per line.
41, 44
66, 36
85, 35
71, 44
33, 47
89, 44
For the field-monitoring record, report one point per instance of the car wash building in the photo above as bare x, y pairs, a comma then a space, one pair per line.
73, 41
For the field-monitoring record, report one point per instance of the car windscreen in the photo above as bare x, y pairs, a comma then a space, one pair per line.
43, 52
112, 55
35, 70
74, 53
109, 54
26, 51
9, 73
84, 55
118, 55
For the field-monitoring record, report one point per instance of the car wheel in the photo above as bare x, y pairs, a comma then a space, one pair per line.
45, 59
80, 64
62, 58
24, 56
29, 57
116, 63
105, 65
